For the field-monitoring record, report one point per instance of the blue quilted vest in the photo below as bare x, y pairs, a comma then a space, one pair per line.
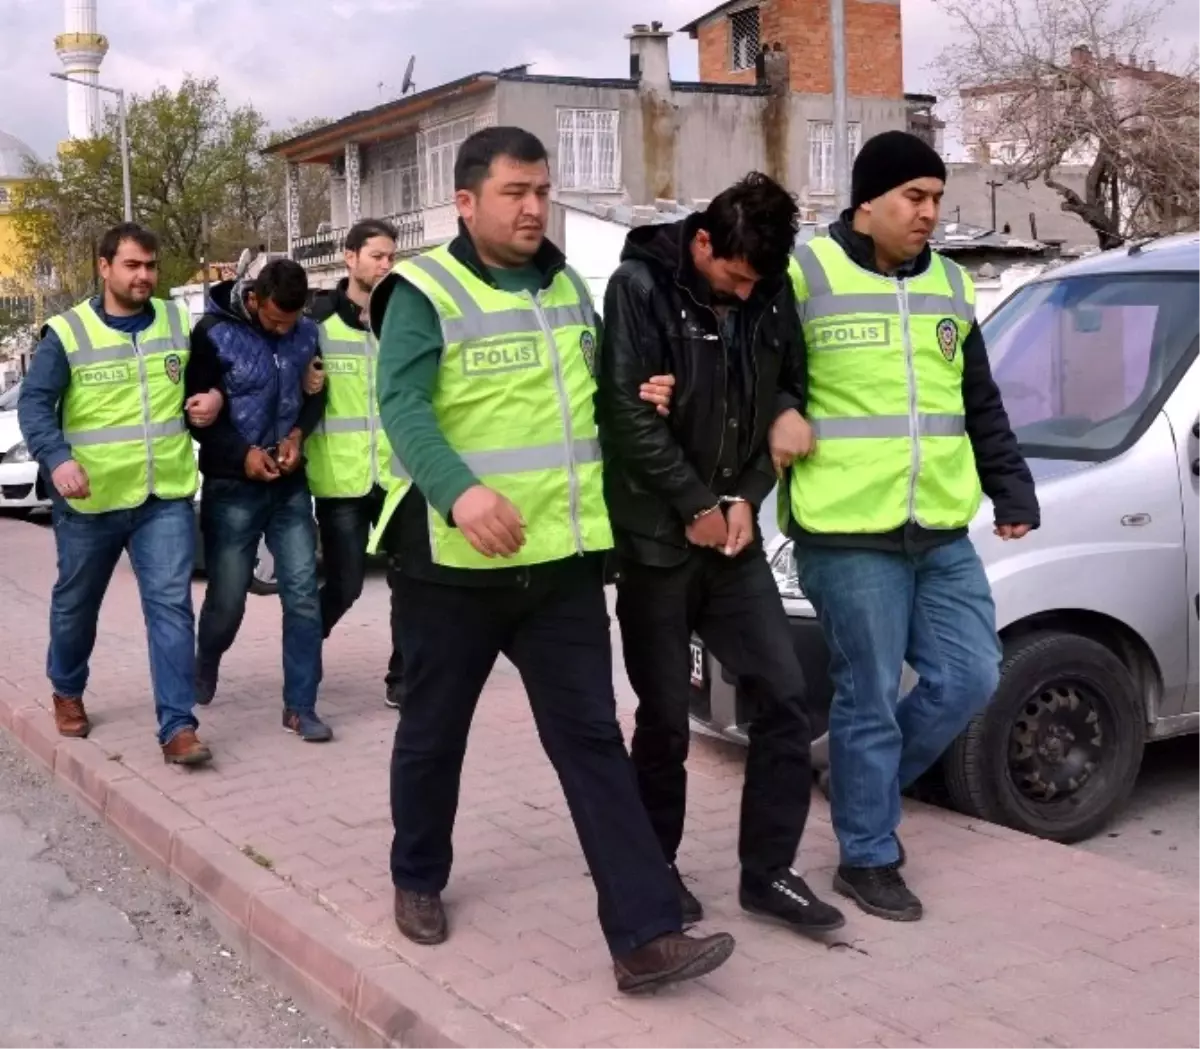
263, 373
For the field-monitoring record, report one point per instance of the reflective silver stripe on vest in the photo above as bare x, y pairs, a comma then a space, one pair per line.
344, 347
878, 303
113, 434
815, 280
347, 425
477, 323
520, 460
87, 353
958, 289
929, 424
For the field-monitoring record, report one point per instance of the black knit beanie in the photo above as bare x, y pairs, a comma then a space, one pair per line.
889, 160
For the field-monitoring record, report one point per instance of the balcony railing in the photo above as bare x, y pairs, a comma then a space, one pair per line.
326, 248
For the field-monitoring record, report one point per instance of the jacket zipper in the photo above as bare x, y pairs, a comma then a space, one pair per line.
724, 378
564, 407
913, 417
145, 391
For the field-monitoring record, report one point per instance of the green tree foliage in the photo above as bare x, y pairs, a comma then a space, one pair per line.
195, 163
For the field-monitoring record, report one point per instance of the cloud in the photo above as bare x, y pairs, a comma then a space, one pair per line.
297, 59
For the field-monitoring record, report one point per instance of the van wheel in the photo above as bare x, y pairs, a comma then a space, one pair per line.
1058, 749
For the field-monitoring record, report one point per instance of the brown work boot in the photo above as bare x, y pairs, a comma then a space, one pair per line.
185, 749
70, 717
421, 916
672, 958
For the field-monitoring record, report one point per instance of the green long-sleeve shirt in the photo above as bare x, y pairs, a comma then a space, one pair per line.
410, 351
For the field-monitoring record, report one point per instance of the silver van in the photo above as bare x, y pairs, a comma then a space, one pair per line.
1099, 609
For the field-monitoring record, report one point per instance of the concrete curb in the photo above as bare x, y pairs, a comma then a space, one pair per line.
363, 991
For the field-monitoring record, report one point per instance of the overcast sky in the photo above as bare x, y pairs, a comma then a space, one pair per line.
297, 59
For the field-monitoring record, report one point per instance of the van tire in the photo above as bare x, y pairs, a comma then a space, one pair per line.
1057, 751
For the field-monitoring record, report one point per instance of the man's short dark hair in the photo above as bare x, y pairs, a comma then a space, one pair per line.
112, 240
476, 154
284, 282
361, 232
755, 219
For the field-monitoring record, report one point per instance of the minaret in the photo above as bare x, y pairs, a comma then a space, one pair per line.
81, 49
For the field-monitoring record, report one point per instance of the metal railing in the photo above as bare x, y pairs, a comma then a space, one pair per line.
325, 248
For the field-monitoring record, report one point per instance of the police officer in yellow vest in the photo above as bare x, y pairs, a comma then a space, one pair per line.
103, 412
348, 453
909, 427
496, 519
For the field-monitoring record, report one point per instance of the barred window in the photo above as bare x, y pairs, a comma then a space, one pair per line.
589, 149
820, 153
745, 38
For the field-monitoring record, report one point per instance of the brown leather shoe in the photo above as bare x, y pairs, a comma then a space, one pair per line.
421, 917
185, 749
70, 717
672, 958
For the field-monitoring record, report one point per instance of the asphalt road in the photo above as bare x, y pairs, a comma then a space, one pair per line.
96, 952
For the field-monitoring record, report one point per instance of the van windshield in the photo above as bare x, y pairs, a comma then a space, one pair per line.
1084, 363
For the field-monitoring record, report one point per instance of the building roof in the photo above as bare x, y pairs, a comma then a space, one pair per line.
323, 143
695, 23
14, 156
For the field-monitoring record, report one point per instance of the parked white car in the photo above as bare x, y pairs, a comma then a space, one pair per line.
1099, 609
18, 471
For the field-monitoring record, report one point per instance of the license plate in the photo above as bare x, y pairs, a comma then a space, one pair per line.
697, 650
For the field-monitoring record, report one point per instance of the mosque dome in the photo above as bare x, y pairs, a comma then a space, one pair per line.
14, 155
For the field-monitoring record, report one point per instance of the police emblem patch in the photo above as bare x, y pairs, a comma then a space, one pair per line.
947, 337
174, 367
587, 346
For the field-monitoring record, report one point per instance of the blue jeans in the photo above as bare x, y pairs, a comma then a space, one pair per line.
160, 536
234, 516
879, 610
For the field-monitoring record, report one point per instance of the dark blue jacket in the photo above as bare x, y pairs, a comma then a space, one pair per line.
39, 408
261, 376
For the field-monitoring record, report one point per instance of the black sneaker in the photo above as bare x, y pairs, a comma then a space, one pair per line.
206, 682
308, 727
786, 898
879, 891
394, 695
693, 911
903, 855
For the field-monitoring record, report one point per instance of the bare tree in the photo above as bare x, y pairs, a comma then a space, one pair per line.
1046, 83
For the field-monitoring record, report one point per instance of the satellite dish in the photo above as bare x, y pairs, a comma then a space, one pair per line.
407, 85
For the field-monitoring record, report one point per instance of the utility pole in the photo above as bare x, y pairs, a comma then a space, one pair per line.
994, 185
841, 128
126, 186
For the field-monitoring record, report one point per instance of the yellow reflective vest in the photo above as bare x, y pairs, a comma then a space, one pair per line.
122, 413
348, 453
885, 398
514, 398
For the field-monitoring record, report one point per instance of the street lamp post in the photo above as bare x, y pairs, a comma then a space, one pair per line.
126, 185
841, 127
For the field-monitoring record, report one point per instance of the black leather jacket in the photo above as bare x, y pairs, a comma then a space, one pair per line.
658, 319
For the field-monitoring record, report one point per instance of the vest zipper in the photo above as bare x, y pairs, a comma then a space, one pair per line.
564, 406
372, 420
913, 417
143, 382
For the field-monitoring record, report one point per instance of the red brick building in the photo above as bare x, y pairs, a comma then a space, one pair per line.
732, 36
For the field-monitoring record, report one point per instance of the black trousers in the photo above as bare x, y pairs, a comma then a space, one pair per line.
556, 632
734, 606
345, 527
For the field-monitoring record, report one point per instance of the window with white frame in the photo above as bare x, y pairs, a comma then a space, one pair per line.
744, 37
820, 153
437, 149
399, 180
589, 149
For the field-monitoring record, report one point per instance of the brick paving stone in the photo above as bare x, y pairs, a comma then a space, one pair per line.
1024, 942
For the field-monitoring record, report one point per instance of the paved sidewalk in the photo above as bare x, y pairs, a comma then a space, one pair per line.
1025, 943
